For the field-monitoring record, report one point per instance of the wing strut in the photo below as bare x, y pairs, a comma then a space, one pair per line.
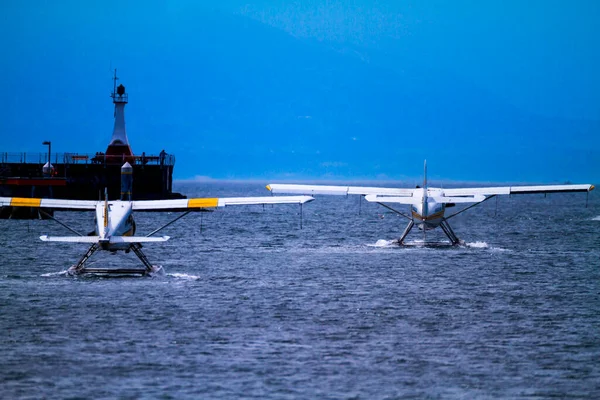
359, 203
61, 223
496, 210
471, 206
406, 231
167, 224
587, 197
396, 211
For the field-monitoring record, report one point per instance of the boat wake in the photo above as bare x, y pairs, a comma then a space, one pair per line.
160, 274
485, 245
477, 245
184, 276
596, 218
50, 274
384, 243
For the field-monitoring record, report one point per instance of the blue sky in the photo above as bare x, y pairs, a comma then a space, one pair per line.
353, 90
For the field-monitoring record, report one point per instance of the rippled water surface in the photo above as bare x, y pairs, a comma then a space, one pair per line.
252, 306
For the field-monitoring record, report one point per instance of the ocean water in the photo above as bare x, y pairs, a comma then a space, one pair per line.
253, 306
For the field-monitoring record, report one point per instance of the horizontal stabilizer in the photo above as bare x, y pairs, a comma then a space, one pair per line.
393, 199
138, 239
70, 239
465, 199
418, 200
96, 239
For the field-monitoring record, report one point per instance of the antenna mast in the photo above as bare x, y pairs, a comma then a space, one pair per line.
115, 79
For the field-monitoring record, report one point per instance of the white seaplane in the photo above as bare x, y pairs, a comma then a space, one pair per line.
428, 205
115, 227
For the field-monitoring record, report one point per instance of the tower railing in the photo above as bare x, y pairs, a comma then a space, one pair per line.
119, 99
83, 158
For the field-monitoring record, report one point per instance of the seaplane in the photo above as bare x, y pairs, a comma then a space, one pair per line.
428, 205
115, 226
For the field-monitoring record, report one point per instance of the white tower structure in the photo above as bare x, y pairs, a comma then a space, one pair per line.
119, 144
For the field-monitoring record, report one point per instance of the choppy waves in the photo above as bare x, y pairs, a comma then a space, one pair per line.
253, 306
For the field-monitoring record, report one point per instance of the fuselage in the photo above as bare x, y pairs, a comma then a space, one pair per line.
114, 218
428, 213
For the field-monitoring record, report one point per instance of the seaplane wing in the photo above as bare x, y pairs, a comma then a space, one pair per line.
96, 239
338, 190
414, 196
48, 203
492, 191
203, 203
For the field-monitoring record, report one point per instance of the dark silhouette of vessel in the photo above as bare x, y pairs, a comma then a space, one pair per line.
82, 176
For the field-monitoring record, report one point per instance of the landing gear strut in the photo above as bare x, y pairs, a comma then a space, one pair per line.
454, 240
406, 231
149, 269
450, 233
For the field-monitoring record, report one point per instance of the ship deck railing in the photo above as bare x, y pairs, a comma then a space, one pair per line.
82, 158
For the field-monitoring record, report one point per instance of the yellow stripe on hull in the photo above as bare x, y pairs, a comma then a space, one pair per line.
203, 203
25, 202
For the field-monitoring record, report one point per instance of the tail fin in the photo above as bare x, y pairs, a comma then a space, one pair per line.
105, 208
425, 175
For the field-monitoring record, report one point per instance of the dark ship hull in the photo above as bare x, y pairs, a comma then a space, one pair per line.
81, 177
